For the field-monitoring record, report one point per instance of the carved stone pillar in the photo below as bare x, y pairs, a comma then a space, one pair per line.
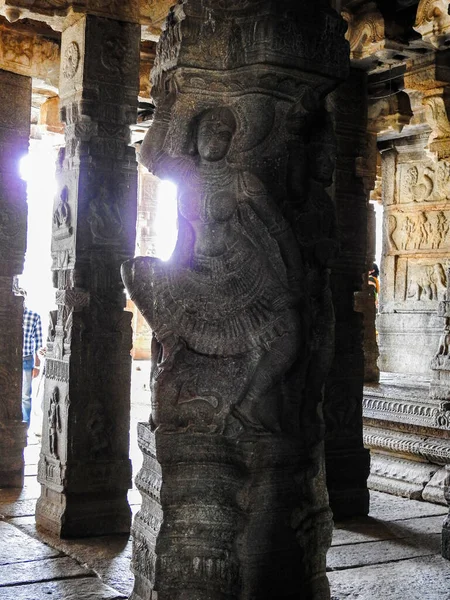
346, 459
15, 110
440, 396
234, 497
84, 469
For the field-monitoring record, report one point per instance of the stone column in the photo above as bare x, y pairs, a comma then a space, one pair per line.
234, 497
15, 111
84, 469
346, 459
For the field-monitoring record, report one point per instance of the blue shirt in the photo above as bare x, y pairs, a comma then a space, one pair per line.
32, 332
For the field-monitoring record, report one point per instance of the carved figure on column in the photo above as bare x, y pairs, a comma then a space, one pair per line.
54, 423
218, 294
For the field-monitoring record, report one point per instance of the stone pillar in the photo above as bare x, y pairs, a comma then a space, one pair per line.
15, 111
84, 469
346, 459
440, 396
234, 497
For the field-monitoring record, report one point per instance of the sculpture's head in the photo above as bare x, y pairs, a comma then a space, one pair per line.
215, 131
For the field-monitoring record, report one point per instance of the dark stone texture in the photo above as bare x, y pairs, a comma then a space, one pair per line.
347, 461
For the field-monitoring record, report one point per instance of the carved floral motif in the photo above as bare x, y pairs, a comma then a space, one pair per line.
71, 60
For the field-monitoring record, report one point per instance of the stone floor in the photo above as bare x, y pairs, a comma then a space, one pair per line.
393, 554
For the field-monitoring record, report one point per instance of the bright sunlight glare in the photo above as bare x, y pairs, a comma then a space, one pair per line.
166, 225
37, 168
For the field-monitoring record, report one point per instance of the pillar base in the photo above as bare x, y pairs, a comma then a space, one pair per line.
89, 506
83, 515
236, 517
13, 439
347, 472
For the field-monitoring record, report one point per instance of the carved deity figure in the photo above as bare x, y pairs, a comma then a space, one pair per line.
54, 423
232, 284
104, 217
62, 216
442, 229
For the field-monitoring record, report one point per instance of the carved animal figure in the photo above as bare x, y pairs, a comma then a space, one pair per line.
444, 342
426, 282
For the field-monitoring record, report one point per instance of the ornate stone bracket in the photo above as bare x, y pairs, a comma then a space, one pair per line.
433, 22
365, 33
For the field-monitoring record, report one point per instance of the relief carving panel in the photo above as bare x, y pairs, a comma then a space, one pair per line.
420, 284
414, 231
424, 182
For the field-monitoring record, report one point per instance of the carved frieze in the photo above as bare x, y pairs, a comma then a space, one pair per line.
29, 55
426, 281
54, 11
414, 231
424, 183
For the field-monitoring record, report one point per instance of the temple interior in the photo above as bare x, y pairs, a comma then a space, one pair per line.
232, 218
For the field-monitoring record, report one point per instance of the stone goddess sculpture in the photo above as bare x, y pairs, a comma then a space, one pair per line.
232, 285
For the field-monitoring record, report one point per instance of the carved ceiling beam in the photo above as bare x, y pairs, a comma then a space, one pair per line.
54, 11
151, 14
433, 22
29, 54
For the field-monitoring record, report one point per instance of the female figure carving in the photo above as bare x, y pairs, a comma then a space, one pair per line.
232, 285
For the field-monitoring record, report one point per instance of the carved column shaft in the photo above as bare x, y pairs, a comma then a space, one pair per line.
15, 110
346, 459
84, 468
234, 498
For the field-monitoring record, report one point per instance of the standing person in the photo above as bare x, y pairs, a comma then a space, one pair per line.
32, 343
374, 280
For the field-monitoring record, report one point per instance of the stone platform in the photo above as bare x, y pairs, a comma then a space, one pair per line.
408, 435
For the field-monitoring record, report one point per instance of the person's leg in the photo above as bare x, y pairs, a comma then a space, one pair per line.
26, 389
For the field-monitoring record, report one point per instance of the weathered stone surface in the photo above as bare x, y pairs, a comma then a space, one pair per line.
35, 571
434, 490
372, 553
415, 579
75, 589
356, 531
390, 508
16, 546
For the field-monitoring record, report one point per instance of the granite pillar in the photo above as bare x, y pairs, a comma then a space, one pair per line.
15, 111
347, 460
234, 497
84, 469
